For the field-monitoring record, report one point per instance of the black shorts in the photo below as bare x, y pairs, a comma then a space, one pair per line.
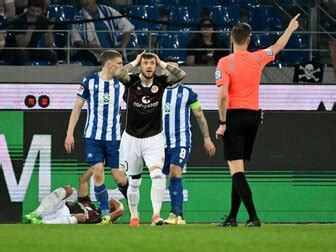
241, 130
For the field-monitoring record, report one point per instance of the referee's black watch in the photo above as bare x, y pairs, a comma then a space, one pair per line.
221, 122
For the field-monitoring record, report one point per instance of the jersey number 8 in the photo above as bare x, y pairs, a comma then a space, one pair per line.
183, 153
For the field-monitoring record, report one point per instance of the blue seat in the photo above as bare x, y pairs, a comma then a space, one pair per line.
225, 37
3, 21
299, 2
297, 41
156, 2
61, 12
138, 40
224, 17
145, 12
81, 63
246, 2
260, 41
173, 41
184, 14
37, 63
198, 2
4, 63
264, 18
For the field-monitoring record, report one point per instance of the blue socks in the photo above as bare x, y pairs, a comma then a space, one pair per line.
176, 196
102, 198
123, 189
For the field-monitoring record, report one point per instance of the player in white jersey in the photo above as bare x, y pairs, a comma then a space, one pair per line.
103, 93
143, 139
177, 102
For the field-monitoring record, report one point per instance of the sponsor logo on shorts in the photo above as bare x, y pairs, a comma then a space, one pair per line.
218, 74
90, 155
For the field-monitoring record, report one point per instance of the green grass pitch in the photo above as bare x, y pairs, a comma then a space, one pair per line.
192, 237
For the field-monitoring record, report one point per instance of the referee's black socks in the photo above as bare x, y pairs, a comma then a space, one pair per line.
235, 202
244, 191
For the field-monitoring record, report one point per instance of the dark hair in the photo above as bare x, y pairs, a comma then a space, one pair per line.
171, 59
36, 3
148, 55
240, 33
109, 55
200, 25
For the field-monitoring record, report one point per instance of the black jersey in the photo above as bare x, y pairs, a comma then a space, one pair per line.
143, 114
87, 208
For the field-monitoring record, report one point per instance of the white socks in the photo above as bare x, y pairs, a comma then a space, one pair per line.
158, 186
133, 196
62, 220
51, 200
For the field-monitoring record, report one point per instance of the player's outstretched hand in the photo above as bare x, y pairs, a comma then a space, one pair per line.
138, 57
220, 131
209, 147
69, 144
294, 24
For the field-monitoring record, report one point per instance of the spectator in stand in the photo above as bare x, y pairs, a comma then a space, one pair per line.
100, 34
29, 21
21, 6
7, 8
207, 40
2, 33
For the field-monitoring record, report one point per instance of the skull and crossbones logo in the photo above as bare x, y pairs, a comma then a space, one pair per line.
309, 72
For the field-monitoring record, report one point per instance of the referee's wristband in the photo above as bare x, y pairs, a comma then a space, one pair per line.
221, 122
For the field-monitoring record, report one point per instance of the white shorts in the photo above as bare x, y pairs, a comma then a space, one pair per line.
59, 211
134, 152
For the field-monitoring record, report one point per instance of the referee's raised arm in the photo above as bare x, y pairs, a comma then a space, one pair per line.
283, 40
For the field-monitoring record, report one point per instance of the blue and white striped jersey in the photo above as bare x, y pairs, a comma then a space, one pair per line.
176, 115
103, 107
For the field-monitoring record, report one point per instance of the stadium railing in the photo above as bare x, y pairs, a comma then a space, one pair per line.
174, 43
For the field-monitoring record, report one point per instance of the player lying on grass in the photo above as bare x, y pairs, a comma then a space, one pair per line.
55, 209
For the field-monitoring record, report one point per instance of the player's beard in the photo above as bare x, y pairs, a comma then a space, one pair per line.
148, 77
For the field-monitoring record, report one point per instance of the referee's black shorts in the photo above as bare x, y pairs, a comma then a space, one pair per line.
241, 130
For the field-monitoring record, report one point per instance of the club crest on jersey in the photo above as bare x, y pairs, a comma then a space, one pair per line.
154, 89
145, 99
167, 107
96, 86
106, 98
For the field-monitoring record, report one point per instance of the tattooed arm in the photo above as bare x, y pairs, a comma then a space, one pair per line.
122, 73
203, 125
176, 75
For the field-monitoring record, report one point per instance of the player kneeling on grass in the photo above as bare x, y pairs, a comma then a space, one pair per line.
55, 209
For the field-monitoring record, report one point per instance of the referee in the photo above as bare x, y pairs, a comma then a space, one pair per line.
238, 77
